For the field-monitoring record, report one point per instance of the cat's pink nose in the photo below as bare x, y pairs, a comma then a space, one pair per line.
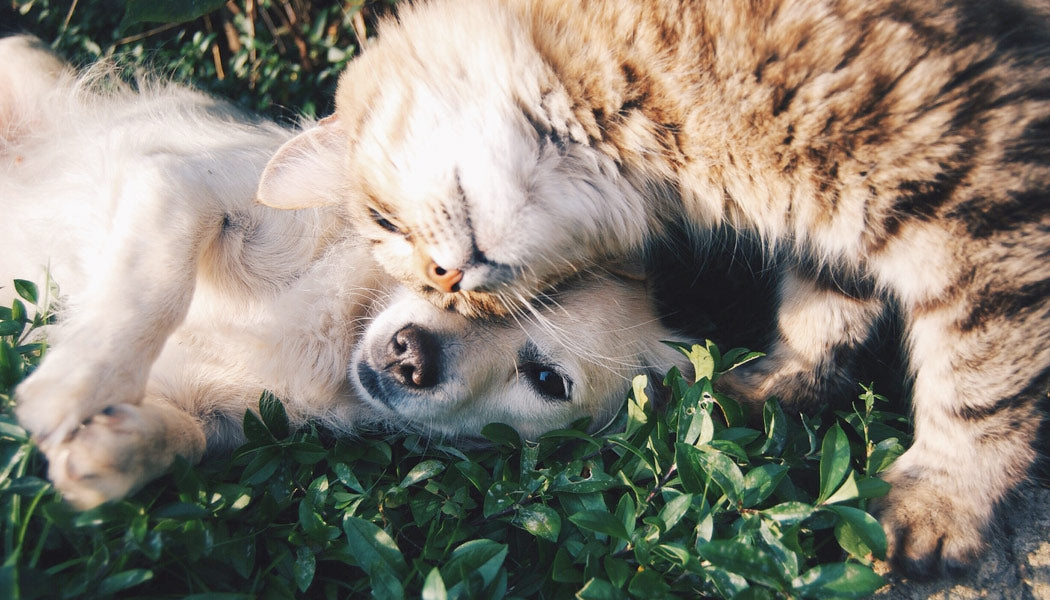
446, 280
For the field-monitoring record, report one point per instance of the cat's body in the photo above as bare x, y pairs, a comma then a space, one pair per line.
897, 152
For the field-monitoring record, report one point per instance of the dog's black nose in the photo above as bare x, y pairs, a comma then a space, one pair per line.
413, 357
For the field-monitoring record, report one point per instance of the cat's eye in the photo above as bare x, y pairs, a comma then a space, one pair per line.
383, 221
546, 381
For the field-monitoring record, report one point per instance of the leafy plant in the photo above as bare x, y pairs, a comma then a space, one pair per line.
684, 501
278, 57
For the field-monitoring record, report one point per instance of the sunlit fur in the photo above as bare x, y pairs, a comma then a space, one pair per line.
894, 152
182, 299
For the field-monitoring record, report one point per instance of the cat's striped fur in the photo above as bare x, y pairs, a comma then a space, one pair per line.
898, 149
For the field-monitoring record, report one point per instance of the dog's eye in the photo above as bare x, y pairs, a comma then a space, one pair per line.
383, 221
547, 381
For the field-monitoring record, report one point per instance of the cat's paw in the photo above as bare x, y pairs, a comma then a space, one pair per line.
931, 531
797, 386
109, 456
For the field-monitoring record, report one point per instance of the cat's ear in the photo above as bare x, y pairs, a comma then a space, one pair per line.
307, 170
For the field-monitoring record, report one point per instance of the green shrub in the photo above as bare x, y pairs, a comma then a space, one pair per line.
277, 57
686, 501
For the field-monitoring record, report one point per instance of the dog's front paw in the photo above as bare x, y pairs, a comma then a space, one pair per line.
932, 530
61, 395
109, 456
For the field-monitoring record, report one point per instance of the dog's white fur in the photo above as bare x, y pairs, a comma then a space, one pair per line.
182, 299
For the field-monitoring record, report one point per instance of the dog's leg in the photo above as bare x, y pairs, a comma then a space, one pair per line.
166, 213
118, 450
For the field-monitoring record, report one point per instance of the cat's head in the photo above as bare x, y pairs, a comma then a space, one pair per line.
459, 158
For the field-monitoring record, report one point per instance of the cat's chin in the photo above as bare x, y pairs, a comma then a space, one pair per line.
473, 304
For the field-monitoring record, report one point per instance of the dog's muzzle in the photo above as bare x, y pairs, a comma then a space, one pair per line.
409, 363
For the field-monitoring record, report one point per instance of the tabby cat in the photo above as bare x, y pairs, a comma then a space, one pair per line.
895, 151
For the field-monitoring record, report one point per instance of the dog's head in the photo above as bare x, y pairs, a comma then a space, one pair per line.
573, 355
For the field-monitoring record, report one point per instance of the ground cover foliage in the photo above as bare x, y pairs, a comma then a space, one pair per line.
683, 501
277, 57
687, 500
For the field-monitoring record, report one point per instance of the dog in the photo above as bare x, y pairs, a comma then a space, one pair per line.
181, 299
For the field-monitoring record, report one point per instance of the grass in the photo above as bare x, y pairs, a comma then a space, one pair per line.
688, 501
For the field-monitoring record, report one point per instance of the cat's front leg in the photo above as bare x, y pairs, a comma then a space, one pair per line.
819, 328
977, 386
144, 281
118, 450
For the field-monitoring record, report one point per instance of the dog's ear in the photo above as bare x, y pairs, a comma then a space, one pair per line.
630, 267
307, 170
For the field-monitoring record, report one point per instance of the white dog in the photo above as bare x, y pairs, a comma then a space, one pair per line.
182, 299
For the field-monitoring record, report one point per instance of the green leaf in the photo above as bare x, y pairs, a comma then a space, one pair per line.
637, 405
883, 455
789, 514
11, 328
539, 520
484, 557
691, 468
776, 427
847, 491
648, 584
728, 584
860, 525
872, 487
385, 584
124, 580
572, 434
595, 481
423, 471
271, 410
304, 568
371, 546
625, 512
760, 482
748, 561
434, 586
28, 291
501, 497
599, 589
619, 571
838, 580
737, 357
703, 361
502, 435
674, 510
600, 522
254, 429
774, 543
346, 477
262, 467
718, 466
183, 511
731, 409
834, 461
169, 11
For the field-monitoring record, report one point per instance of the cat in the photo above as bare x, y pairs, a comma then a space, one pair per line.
894, 153
182, 300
